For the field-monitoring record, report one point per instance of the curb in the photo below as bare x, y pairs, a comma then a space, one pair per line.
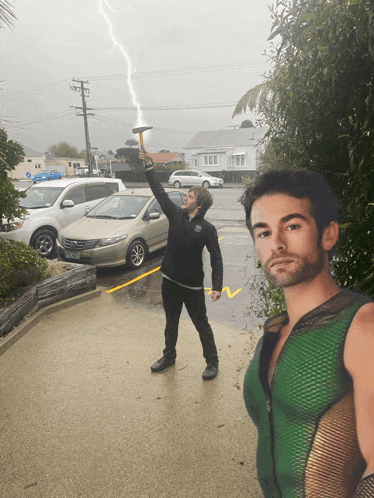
11, 338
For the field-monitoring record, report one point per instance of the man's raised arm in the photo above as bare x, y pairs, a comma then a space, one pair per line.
167, 206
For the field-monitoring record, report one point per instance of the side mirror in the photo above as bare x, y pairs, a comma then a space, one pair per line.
154, 215
67, 204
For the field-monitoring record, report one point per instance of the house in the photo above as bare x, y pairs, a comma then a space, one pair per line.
66, 165
32, 164
164, 160
234, 151
35, 161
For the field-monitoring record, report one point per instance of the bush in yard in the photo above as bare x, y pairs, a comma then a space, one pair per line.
20, 266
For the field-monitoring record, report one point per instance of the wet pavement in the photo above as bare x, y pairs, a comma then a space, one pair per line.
82, 415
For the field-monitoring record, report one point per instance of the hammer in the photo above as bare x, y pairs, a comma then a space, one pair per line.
140, 131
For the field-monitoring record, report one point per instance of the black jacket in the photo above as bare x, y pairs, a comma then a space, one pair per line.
183, 260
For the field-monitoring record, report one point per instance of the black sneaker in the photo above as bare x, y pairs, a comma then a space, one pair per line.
162, 364
211, 371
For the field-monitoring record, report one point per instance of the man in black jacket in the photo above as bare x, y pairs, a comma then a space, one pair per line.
182, 269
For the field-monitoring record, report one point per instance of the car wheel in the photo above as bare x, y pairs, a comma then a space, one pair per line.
49, 179
136, 254
206, 184
44, 241
177, 184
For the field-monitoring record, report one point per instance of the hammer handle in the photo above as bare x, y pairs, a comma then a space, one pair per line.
142, 147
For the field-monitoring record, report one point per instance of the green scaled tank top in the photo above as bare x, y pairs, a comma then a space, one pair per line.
307, 439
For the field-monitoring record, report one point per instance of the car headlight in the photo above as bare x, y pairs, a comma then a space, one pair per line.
110, 241
9, 227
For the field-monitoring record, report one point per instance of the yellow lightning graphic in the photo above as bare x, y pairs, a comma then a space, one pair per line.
130, 68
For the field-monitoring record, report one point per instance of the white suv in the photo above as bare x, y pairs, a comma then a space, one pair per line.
187, 178
53, 205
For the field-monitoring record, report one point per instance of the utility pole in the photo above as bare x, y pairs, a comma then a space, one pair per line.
85, 92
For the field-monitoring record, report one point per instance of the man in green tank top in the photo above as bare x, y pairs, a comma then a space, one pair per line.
310, 386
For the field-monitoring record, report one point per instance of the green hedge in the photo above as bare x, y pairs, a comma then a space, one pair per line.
20, 266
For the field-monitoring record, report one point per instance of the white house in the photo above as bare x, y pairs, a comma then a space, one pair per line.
235, 150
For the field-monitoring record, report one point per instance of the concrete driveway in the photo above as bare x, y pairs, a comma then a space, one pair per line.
82, 415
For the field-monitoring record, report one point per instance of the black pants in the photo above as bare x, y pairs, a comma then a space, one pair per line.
174, 296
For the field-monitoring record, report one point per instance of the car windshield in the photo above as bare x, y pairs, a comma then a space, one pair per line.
205, 173
119, 207
40, 197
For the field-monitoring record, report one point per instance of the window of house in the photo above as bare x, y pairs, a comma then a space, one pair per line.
29, 160
69, 164
237, 160
211, 160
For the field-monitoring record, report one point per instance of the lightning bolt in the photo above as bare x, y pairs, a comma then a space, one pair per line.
130, 67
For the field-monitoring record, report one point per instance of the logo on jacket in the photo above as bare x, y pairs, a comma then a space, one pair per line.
197, 228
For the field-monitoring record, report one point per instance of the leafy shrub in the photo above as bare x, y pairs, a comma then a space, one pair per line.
265, 299
20, 266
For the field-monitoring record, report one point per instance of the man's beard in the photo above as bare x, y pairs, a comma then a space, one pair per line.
306, 270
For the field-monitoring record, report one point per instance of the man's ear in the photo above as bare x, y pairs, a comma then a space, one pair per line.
330, 236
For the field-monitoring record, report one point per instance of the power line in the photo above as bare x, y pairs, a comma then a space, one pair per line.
111, 121
167, 72
31, 91
149, 74
169, 108
40, 119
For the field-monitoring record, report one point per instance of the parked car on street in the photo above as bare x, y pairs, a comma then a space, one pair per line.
47, 175
123, 228
85, 172
188, 178
53, 205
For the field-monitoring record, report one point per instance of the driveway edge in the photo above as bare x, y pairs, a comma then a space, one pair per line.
11, 338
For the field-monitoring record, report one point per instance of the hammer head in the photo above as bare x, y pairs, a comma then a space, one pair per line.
141, 129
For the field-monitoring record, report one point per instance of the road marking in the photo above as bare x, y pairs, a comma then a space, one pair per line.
134, 280
227, 289
221, 238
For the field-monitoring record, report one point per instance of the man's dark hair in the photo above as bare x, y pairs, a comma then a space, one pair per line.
203, 198
298, 183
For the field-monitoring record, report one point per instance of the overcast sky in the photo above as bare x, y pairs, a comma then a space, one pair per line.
183, 54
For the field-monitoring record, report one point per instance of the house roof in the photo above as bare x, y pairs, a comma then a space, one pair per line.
227, 138
31, 152
160, 157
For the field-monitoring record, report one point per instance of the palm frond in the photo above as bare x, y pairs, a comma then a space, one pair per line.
254, 98
7, 16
